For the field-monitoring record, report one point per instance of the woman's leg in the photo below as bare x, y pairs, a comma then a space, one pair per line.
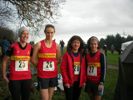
51, 92
14, 87
68, 93
97, 97
76, 91
25, 89
44, 94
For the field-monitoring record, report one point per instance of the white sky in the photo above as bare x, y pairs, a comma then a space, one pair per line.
94, 17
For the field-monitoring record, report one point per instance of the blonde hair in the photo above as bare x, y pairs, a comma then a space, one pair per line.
93, 38
21, 30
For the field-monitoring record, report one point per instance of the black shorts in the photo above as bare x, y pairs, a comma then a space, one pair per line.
92, 88
44, 83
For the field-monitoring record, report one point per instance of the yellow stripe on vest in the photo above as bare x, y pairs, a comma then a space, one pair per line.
20, 57
94, 64
76, 63
47, 55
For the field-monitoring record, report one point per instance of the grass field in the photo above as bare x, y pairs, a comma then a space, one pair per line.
110, 83
112, 59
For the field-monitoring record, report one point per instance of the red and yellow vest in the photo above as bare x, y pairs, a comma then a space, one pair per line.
93, 68
19, 65
47, 63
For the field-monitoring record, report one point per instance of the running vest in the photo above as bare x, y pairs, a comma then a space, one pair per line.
47, 63
19, 65
93, 68
76, 67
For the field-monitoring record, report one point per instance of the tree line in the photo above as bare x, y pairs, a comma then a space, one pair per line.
115, 40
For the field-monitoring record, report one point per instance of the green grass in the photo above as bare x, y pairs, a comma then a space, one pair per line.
110, 83
112, 59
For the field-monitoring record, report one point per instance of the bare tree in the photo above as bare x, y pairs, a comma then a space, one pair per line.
33, 13
4, 10
6, 13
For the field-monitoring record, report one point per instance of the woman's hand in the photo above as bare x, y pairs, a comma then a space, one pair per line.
67, 85
100, 87
6, 79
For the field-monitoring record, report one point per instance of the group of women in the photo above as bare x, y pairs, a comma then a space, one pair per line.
78, 69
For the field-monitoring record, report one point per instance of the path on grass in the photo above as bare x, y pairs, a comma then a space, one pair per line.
113, 67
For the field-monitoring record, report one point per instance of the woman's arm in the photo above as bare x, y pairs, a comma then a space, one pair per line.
4, 64
64, 68
58, 56
8, 54
103, 67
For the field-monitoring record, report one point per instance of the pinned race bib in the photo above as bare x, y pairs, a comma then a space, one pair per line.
76, 68
48, 66
92, 70
21, 65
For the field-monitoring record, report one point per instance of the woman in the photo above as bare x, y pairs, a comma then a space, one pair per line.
46, 55
96, 68
20, 75
73, 68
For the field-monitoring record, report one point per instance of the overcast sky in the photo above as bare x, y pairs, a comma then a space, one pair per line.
95, 17
99, 18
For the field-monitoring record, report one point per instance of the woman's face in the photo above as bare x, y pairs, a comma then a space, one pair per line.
94, 45
75, 45
24, 36
49, 33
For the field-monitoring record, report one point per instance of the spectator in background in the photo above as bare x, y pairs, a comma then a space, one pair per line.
105, 49
112, 48
5, 45
0, 60
62, 46
0, 52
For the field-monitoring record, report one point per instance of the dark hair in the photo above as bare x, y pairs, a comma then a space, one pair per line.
69, 45
49, 25
89, 41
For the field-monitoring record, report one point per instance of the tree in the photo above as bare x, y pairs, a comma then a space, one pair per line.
103, 45
115, 41
6, 14
102, 42
7, 33
118, 41
129, 38
110, 40
34, 13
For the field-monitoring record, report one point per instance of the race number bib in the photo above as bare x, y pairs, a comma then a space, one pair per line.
76, 69
21, 65
92, 70
48, 66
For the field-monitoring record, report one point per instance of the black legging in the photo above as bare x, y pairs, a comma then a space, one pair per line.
73, 93
20, 89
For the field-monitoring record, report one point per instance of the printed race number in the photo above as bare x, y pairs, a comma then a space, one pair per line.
76, 69
48, 66
92, 70
21, 65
